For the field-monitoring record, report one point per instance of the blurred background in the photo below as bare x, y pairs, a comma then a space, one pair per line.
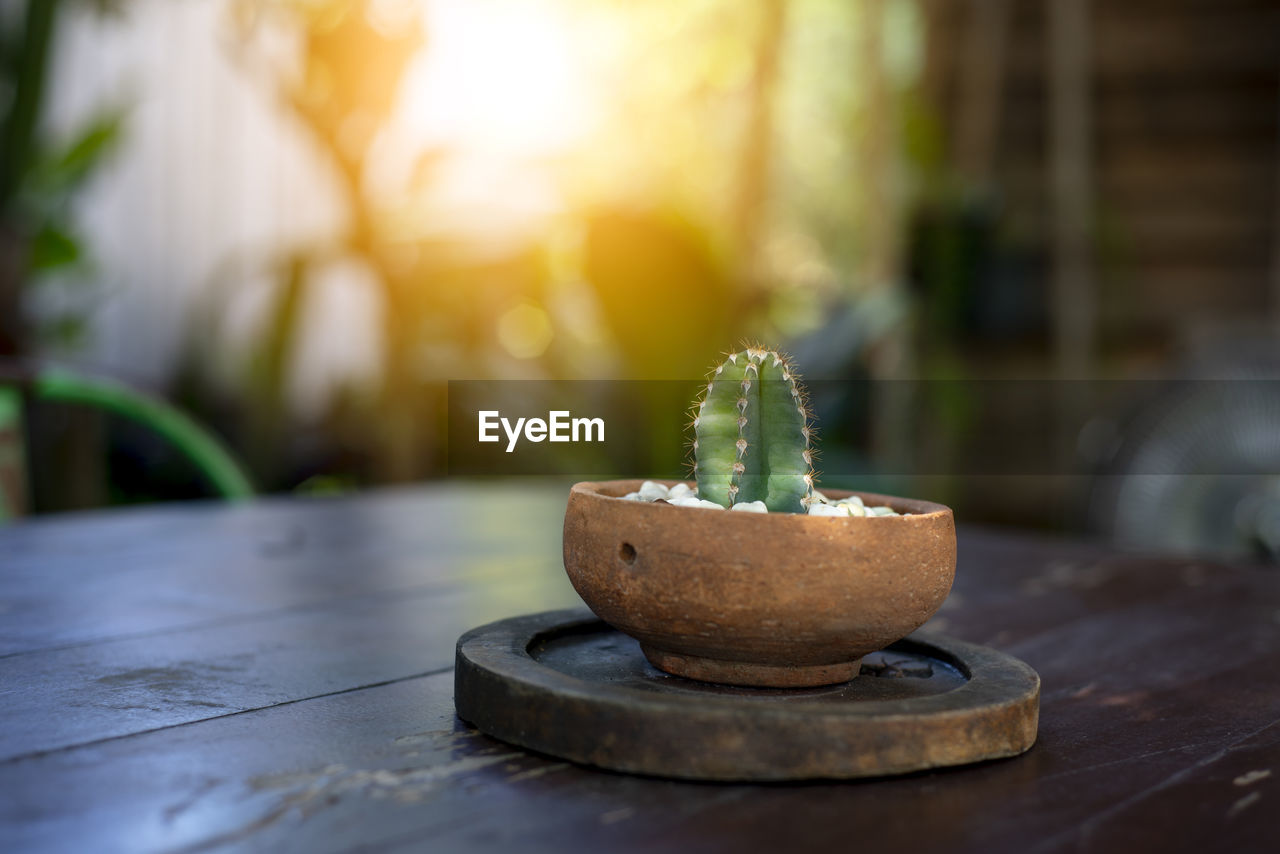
245, 244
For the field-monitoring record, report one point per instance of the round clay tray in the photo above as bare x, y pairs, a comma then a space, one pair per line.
566, 684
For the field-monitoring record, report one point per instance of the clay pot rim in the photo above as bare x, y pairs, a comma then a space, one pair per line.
910, 508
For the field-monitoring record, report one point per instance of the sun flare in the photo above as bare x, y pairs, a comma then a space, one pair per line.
499, 78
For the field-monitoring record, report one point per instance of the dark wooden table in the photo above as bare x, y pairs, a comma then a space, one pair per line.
278, 677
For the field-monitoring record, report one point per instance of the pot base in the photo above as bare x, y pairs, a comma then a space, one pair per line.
566, 684
751, 674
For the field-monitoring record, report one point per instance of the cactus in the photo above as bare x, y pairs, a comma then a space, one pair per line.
752, 433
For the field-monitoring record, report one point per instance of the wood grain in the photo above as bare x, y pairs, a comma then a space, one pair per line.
1160, 713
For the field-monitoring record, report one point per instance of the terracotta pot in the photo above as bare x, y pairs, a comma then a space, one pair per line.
780, 600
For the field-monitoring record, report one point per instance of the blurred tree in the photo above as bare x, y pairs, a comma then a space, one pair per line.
342, 92
710, 186
39, 176
664, 296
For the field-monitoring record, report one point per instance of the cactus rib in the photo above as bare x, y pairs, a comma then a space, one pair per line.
752, 434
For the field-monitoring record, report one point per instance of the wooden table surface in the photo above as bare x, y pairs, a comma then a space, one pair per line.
277, 676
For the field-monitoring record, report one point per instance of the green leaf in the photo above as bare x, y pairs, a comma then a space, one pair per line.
52, 248
67, 168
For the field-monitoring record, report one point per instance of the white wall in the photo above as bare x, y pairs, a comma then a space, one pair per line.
210, 170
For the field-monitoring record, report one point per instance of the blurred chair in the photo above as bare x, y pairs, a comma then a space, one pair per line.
20, 386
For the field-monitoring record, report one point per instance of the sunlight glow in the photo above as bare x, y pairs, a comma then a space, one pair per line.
499, 78
525, 331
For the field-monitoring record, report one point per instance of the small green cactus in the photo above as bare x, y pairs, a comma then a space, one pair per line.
752, 434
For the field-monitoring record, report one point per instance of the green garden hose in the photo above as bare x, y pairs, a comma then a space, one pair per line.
197, 443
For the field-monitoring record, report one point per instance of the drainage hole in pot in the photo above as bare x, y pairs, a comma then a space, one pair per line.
627, 552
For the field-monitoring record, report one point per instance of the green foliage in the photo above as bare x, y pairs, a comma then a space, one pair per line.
42, 211
62, 169
39, 178
752, 434
51, 248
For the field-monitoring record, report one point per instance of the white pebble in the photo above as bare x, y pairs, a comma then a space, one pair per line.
853, 505
682, 495
651, 491
690, 501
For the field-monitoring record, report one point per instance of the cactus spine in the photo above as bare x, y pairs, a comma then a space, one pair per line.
752, 434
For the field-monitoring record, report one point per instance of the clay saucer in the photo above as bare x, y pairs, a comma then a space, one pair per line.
565, 684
